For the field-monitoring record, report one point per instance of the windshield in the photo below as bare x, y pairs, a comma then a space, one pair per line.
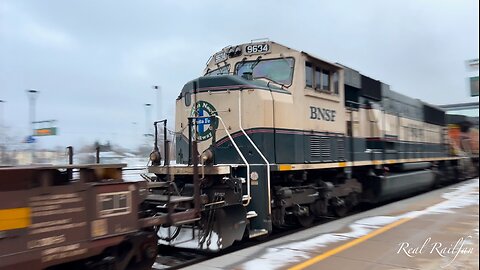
219, 71
277, 70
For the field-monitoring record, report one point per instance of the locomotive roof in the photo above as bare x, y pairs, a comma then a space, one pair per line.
323, 60
355, 76
308, 54
286, 47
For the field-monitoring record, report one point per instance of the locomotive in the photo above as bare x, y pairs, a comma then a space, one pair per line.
275, 136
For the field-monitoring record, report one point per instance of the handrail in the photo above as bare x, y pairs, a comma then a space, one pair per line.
243, 158
254, 146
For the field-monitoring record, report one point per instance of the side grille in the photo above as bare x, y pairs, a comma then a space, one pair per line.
341, 149
315, 149
327, 149
324, 141
320, 147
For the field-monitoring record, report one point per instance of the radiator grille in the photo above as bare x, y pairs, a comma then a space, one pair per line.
341, 149
315, 148
327, 148
325, 145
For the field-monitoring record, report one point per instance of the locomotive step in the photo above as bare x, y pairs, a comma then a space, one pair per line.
175, 219
251, 214
257, 233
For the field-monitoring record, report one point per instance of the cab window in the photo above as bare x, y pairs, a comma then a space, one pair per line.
308, 74
325, 80
318, 78
321, 79
219, 71
279, 71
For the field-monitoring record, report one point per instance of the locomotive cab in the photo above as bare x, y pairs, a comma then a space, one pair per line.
273, 93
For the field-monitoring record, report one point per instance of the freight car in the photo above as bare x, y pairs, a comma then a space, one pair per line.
463, 136
77, 217
276, 136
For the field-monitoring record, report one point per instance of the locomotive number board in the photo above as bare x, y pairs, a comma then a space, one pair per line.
257, 48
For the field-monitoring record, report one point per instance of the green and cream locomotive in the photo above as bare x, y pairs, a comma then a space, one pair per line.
277, 136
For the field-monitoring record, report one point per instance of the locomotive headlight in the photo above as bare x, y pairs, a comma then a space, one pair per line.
155, 157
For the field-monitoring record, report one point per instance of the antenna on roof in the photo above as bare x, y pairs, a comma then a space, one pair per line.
260, 39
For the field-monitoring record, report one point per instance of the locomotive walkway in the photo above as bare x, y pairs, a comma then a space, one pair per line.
435, 230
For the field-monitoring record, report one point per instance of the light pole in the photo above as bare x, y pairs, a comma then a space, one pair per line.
2, 133
147, 119
32, 96
158, 90
159, 97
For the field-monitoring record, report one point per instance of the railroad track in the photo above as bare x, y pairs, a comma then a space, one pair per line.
175, 258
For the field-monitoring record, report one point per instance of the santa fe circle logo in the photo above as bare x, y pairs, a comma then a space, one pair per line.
205, 126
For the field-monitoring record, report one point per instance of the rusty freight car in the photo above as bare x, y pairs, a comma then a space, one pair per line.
77, 217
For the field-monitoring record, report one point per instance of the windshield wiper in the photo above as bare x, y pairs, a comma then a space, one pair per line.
269, 80
241, 64
256, 62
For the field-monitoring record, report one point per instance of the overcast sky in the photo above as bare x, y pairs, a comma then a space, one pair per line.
94, 62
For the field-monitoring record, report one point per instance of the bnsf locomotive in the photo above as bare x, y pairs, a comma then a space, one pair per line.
275, 136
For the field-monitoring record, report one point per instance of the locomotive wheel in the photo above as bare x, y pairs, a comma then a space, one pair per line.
305, 220
340, 210
319, 208
339, 207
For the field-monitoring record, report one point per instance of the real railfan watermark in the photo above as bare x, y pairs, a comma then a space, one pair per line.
461, 247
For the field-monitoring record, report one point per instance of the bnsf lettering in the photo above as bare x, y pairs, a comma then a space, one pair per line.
322, 114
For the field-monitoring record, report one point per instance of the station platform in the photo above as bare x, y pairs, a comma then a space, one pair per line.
434, 230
